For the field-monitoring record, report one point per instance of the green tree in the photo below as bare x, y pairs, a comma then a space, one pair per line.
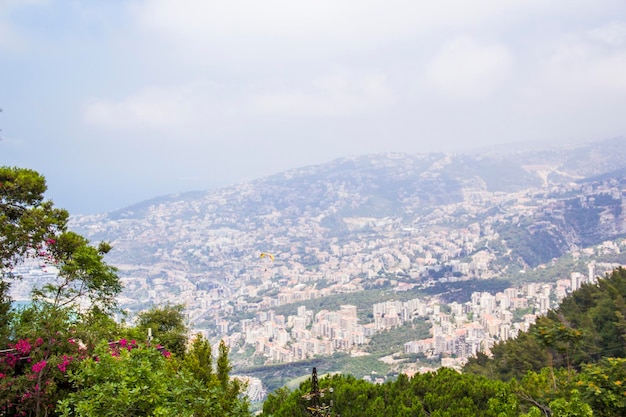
46, 340
275, 400
602, 386
5, 310
199, 360
27, 222
167, 324
212, 390
123, 382
33, 228
561, 407
139, 380
588, 324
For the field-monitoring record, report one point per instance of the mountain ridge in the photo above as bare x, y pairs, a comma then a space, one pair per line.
522, 208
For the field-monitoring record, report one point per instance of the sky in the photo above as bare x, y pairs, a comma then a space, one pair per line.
116, 102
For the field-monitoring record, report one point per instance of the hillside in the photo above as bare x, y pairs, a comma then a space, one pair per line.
523, 209
587, 326
571, 363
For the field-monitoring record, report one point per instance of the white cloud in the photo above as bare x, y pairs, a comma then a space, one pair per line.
200, 105
355, 20
333, 95
466, 69
592, 62
613, 34
150, 109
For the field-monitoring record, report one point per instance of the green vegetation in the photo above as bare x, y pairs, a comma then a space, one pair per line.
570, 363
461, 291
532, 243
588, 325
392, 340
443, 393
64, 355
363, 300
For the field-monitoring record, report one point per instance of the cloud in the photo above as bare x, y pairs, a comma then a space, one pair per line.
613, 34
588, 62
202, 105
150, 109
332, 95
466, 69
352, 20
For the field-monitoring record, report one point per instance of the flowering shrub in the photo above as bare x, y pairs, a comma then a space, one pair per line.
126, 378
34, 374
39, 366
104, 382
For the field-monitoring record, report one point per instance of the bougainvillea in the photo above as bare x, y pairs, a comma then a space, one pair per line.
34, 376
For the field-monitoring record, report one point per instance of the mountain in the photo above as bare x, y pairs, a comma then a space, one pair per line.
469, 215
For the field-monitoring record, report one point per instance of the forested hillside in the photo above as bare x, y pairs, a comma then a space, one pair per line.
570, 363
588, 325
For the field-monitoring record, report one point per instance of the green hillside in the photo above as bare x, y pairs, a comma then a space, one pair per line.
570, 363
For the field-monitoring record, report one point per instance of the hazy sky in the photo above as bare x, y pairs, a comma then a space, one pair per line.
119, 101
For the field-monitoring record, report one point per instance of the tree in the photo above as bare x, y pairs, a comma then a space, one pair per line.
212, 391
127, 381
135, 379
42, 343
199, 360
602, 386
167, 325
5, 308
27, 222
33, 228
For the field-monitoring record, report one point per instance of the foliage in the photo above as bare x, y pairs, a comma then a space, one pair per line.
32, 228
393, 340
5, 309
139, 380
588, 325
82, 273
33, 374
167, 324
27, 222
49, 364
602, 386
558, 368
441, 393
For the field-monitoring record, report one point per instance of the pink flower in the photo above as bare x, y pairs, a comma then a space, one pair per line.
23, 347
39, 341
11, 359
2, 375
38, 367
166, 353
123, 342
63, 365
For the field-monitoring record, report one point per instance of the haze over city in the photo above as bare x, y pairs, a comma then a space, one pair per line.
120, 101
